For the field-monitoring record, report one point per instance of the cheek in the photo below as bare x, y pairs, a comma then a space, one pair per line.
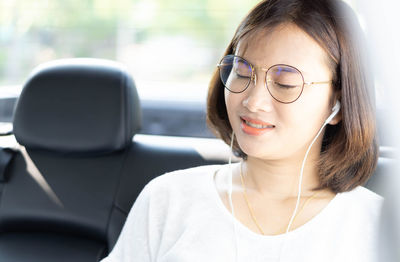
229, 105
232, 102
227, 98
234, 107
306, 116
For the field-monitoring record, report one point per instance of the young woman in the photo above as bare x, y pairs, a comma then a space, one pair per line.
291, 97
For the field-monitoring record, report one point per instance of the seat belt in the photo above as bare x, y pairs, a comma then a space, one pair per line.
6, 155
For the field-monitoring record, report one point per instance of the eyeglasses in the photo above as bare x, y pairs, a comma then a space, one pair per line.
285, 83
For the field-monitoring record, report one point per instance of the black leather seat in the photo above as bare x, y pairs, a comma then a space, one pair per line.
67, 191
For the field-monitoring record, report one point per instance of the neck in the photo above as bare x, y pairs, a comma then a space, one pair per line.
279, 179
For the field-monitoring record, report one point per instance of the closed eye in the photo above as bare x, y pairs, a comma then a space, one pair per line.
242, 76
284, 86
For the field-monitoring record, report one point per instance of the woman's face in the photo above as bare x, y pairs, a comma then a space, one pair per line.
264, 127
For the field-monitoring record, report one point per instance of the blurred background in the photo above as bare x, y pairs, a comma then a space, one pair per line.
171, 48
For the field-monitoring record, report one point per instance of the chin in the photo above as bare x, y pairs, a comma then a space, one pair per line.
255, 150
263, 150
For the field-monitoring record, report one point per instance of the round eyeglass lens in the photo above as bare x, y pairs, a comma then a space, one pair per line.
285, 83
235, 73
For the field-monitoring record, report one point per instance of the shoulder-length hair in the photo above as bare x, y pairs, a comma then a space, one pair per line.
349, 149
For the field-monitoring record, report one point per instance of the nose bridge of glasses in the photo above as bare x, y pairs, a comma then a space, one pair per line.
260, 94
263, 72
258, 97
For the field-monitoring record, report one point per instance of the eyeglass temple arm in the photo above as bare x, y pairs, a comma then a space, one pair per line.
321, 82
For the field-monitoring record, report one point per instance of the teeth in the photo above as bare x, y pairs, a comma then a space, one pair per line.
257, 125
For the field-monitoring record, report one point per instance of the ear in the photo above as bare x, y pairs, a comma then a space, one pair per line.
338, 116
336, 120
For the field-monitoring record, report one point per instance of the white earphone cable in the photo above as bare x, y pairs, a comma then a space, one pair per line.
335, 110
298, 194
299, 191
230, 200
301, 178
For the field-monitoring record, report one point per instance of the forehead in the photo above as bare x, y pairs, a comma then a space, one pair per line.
284, 44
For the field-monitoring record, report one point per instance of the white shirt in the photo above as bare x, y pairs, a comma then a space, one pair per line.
180, 217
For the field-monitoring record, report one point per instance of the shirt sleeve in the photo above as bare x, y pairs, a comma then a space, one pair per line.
133, 242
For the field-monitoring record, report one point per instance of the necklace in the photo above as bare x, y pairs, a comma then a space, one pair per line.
251, 210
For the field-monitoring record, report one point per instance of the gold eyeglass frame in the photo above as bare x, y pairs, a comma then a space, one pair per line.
265, 69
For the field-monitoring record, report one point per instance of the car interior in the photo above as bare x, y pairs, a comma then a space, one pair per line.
74, 162
77, 167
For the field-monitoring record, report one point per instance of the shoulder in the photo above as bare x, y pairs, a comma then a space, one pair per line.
362, 202
175, 195
355, 215
363, 195
187, 179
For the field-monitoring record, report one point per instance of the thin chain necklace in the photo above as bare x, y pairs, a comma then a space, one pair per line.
251, 210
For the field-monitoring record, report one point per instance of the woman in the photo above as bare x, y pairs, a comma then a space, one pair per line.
290, 96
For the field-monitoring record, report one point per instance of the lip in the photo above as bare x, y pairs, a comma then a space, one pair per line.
250, 130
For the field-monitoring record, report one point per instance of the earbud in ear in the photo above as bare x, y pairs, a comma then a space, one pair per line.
335, 110
336, 107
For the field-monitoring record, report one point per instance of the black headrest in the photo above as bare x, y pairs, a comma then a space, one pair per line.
78, 106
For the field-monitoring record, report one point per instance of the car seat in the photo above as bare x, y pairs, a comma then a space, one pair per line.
76, 171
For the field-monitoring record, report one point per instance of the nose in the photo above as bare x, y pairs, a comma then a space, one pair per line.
257, 96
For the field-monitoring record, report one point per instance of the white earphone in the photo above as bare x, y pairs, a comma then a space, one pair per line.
335, 110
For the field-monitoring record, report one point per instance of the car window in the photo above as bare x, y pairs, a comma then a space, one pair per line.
169, 46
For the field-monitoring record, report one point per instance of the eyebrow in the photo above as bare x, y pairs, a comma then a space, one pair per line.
242, 54
304, 73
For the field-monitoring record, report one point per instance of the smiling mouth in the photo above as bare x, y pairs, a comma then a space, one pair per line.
255, 125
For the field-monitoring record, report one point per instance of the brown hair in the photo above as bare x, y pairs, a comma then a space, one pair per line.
349, 149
